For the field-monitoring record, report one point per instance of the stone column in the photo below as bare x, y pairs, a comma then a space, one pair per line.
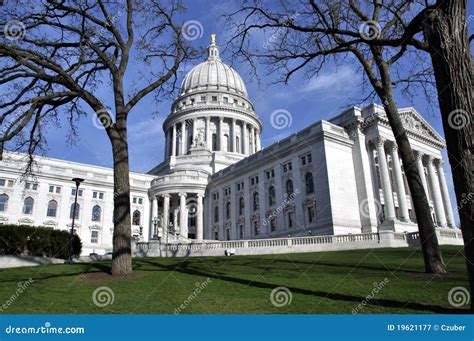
173, 141
257, 140
183, 138
208, 133
234, 149
244, 138
400, 185
166, 213
199, 218
194, 129
221, 134
183, 216
421, 172
252, 135
437, 199
448, 209
386, 186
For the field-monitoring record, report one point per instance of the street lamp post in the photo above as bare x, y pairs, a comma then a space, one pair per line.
78, 182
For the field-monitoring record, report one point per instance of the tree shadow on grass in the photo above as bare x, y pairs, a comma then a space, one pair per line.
388, 303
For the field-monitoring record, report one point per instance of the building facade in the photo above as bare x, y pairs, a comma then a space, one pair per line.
337, 176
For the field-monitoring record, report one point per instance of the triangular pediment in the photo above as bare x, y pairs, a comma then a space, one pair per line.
414, 123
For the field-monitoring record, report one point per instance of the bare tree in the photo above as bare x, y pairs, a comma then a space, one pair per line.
306, 34
56, 54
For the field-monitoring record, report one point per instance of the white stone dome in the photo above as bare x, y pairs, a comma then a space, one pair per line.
213, 74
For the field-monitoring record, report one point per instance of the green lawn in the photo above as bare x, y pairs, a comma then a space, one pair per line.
328, 282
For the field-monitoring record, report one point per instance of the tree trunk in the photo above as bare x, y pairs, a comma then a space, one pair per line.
432, 256
445, 30
122, 247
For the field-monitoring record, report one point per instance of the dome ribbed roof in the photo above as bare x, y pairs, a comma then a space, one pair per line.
213, 74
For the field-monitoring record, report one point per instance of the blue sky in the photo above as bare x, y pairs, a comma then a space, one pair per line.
308, 102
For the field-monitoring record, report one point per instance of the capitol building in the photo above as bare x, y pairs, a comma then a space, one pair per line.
217, 182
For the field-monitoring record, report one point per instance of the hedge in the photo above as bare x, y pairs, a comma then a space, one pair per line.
37, 241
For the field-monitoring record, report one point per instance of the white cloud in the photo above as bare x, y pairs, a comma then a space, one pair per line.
340, 79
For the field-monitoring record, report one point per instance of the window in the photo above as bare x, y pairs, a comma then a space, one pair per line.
216, 235
287, 167
308, 180
215, 195
3, 202
305, 159
241, 206
256, 203
2, 182
140, 201
71, 213
214, 142
227, 234
94, 237
214, 98
73, 192
291, 218
254, 180
226, 143
203, 98
241, 231
289, 187
31, 186
272, 224
270, 174
271, 196
311, 214
227, 191
35, 186
28, 205
54, 189
226, 100
52, 208
96, 213
255, 227
136, 217
227, 210
10, 183
237, 144
98, 195
216, 214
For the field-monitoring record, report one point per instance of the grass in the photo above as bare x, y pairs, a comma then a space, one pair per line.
327, 282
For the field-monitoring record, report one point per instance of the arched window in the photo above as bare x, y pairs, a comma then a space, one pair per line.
216, 214
309, 184
256, 202
136, 217
271, 196
28, 205
3, 202
227, 210
241, 206
71, 213
289, 187
52, 208
226, 143
237, 144
214, 142
96, 213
